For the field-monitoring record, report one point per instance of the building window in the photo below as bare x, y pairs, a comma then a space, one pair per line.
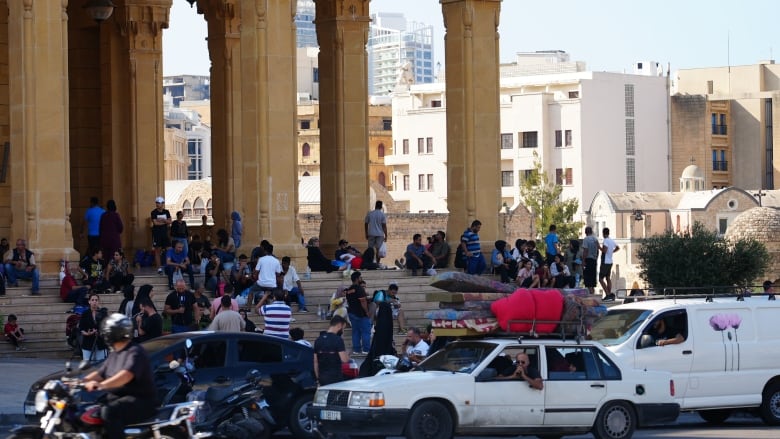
406, 146
429, 145
187, 209
208, 207
630, 138
421, 182
381, 179
563, 176
305, 124
387, 124
530, 139
630, 174
436, 103
574, 95
568, 137
506, 141
430, 182
719, 124
629, 95
558, 138
507, 178
195, 153
719, 162
420, 145
380, 150
525, 174
200, 207
406, 182
306, 150
315, 74
723, 225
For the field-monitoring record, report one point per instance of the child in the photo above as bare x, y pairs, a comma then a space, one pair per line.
14, 333
395, 302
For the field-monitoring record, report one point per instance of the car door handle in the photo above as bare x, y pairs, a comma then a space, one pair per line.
597, 386
687, 352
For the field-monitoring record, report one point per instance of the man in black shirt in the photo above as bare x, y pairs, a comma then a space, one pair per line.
357, 309
148, 322
330, 353
161, 221
126, 376
178, 305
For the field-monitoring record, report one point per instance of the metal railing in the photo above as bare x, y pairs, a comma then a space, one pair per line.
708, 293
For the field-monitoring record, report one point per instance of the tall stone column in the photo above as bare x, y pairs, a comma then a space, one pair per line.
38, 112
265, 168
141, 23
473, 119
342, 32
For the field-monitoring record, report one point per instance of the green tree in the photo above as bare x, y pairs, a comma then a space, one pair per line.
543, 199
699, 258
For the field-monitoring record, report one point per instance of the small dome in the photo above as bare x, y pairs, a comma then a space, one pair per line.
763, 225
692, 171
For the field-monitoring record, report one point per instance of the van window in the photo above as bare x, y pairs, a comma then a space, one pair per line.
666, 326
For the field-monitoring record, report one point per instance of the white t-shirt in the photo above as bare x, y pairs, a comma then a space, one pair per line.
610, 245
421, 348
267, 267
290, 279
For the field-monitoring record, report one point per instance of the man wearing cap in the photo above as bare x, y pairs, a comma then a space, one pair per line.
161, 221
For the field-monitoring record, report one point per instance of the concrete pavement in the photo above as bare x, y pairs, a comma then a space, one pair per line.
16, 376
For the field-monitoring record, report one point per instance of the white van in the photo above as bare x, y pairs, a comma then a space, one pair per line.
728, 355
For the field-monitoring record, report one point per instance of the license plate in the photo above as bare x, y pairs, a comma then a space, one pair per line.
29, 410
330, 415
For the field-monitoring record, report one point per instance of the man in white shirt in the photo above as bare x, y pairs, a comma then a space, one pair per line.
608, 248
416, 347
268, 273
292, 285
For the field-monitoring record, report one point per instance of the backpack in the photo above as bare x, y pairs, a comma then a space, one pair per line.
72, 332
460, 258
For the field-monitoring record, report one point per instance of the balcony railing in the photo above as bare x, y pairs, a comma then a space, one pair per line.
719, 130
720, 165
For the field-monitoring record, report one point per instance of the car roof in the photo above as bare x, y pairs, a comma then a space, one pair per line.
213, 335
697, 302
529, 341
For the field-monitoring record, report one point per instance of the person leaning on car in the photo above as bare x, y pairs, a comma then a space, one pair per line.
523, 370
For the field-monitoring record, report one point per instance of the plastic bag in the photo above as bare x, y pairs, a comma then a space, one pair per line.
382, 253
177, 276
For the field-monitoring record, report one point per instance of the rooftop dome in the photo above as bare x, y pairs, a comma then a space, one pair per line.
763, 225
692, 171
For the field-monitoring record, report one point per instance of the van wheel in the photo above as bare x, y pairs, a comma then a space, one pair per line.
616, 420
770, 404
430, 420
715, 417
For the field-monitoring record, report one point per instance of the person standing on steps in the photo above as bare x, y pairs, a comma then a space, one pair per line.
91, 223
161, 221
376, 229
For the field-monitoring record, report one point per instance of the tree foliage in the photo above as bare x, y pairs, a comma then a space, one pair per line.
699, 258
543, 199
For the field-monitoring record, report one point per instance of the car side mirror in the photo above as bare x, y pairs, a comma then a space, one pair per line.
646, 341
487, 374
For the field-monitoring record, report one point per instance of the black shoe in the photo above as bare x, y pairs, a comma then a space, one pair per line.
609, 298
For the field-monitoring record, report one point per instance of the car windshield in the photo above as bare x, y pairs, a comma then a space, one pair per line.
458, 357
618, 325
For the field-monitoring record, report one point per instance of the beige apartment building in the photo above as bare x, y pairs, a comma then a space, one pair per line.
723, 120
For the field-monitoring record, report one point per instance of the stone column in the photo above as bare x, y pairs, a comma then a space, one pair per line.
342, 32
141, 23
38, 112
473, 120
265, 169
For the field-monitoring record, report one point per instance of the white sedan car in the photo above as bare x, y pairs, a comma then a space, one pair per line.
470, 388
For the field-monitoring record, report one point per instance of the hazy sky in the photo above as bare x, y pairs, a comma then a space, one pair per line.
606, 34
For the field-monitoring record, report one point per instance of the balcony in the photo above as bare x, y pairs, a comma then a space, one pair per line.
719, 130
720, 166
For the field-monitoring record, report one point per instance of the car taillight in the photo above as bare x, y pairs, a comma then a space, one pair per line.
671, 387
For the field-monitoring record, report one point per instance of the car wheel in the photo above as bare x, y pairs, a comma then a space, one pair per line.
430, 420
715, 417
299, 422
770, 405
616, 420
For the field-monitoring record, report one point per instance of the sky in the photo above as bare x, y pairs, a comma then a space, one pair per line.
608, 35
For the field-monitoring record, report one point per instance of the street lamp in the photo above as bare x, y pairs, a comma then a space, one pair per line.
99, 10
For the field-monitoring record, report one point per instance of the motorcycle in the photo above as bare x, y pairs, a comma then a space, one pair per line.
236, 412
67, 417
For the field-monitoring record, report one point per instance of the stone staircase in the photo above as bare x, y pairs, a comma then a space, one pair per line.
43, 317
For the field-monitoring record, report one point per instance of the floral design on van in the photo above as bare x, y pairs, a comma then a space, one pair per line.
724, 323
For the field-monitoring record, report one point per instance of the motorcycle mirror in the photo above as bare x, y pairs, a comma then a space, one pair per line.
188, 344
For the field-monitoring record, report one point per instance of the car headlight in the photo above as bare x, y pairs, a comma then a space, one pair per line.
366, 399
41, 401
321, 398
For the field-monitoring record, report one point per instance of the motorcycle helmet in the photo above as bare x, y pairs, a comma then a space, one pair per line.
115, 328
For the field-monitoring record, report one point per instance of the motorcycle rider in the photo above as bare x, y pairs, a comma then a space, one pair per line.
126, 376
